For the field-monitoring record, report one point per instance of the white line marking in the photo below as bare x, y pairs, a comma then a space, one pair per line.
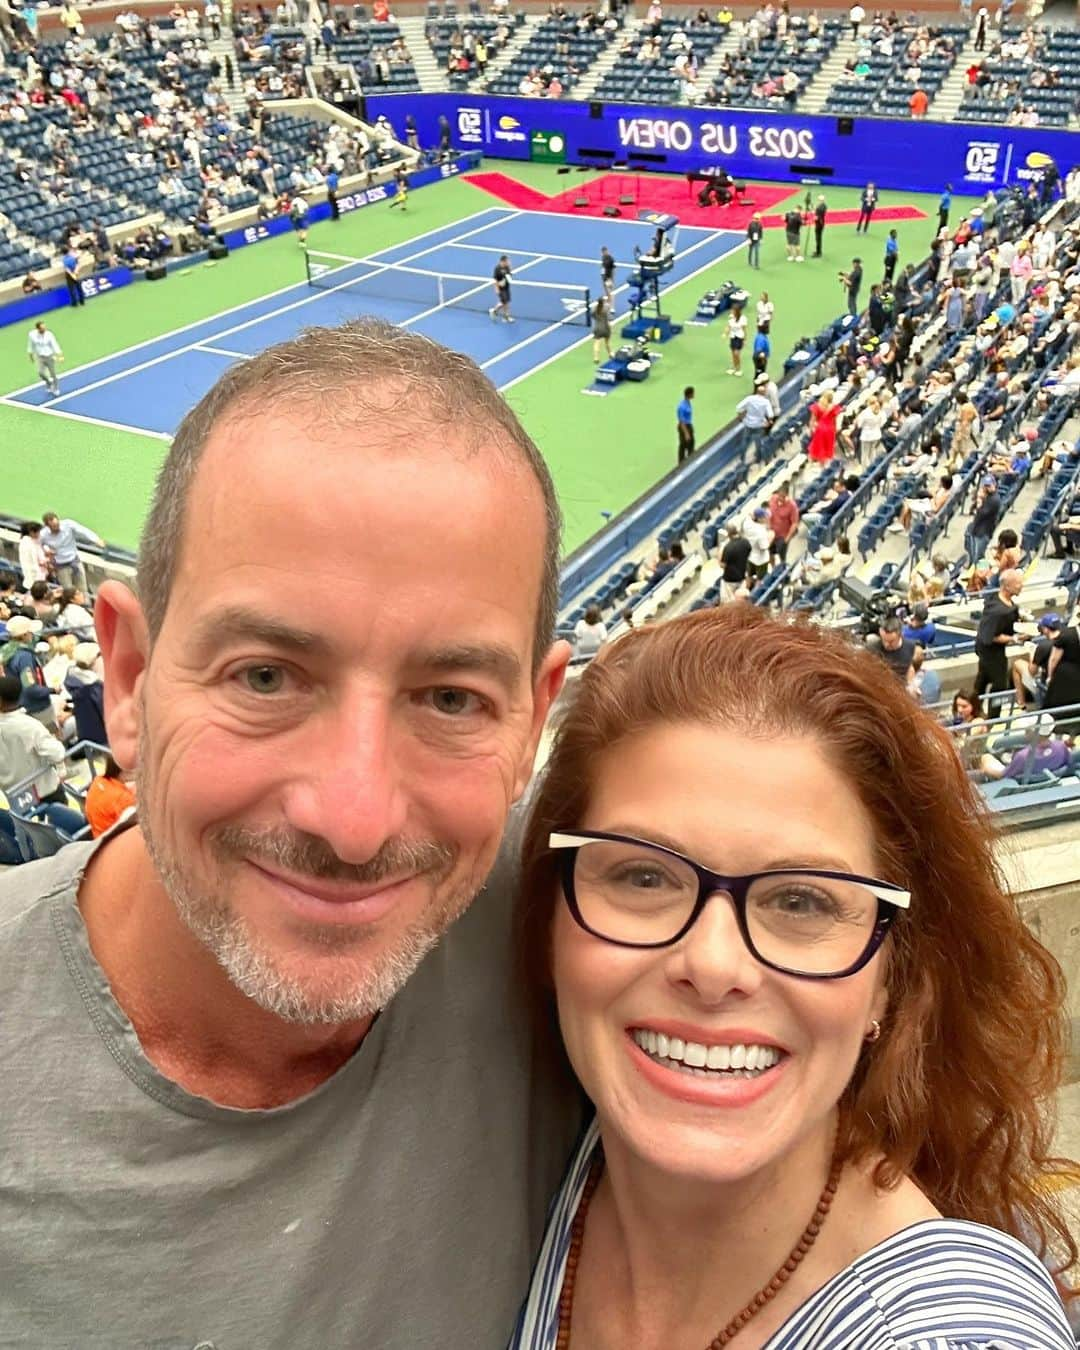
475, 290
502, 212
307, 299
83, 417
221, 351
551, 327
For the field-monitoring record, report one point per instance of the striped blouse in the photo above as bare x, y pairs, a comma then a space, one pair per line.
941, 1284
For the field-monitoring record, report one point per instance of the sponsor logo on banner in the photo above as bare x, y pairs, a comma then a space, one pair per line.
1034, 165
547, 147
96, 286
357, 199
508, 128
449, 170
981, 161
470, 126
254, 233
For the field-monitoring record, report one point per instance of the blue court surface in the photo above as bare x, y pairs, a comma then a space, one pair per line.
438, 283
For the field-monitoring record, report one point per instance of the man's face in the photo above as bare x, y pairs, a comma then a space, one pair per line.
52, 522
334, 724
890, 640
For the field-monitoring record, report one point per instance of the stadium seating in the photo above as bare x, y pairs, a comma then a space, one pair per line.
636, 77
1023, 84
555, 48
885, 87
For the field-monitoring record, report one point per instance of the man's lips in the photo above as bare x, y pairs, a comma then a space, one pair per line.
325, 889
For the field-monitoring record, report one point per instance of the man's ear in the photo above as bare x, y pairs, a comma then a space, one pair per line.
546, 686
125, 647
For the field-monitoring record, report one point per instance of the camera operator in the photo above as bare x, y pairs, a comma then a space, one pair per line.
852, 281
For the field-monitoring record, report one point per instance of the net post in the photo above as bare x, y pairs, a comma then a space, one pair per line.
588, 307
307, 266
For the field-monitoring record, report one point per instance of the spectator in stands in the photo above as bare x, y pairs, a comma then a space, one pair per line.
18, 657
995, 632
734, 563
765, 385
42, 601
33, 560
1031, 673
919, 627
87, 693
1049, 754
923, 683
984, 520
954, 306
784, 520
926, 506
1020, 272
30, 284
590, 632
1063, 674
824, 414
27, 750
896, 650
756, 529
110, 798
60, 539
1006, 553
919, 102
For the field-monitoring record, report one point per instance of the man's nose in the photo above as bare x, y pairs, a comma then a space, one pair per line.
352, 792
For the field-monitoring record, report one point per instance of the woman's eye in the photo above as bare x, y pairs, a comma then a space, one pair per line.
454, 702
264, 679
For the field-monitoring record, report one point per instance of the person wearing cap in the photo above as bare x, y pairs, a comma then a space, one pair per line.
756, 529
765, 385
1030, 673
27, 749
756, 413
87, 693
1063, 671
18, 657
1046, 754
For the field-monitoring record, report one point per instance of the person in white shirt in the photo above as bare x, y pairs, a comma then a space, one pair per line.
756, 530
590, 633
43, 349
869, 424
33, 561
765, 308
27, 750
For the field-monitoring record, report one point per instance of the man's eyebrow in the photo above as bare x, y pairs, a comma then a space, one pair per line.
479, 657
237, 623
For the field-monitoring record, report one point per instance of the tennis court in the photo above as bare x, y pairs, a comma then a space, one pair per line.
438, 283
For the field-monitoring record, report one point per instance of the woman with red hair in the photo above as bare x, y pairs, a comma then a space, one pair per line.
760, 899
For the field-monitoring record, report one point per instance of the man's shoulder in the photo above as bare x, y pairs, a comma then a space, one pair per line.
25, 893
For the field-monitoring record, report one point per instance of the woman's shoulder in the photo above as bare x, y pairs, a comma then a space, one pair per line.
941, 1284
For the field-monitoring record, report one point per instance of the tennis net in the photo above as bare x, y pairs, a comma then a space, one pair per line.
542, 301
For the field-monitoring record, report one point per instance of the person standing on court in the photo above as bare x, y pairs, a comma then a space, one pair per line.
71, 276
501, 277
793, 223
867, 206
852, 282
401, 187
44, 350
601, 329
892, 255
754, 231
684, 424
736, 332
60, 540
821, 211
607, 275
280, 1037
944, 206
332, 181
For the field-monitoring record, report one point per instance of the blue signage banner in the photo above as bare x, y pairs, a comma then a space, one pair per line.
916, 156
32, 306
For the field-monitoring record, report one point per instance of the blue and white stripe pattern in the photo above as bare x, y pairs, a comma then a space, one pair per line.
939, 1285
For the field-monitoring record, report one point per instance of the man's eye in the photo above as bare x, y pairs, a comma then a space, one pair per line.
454, 702
264, 679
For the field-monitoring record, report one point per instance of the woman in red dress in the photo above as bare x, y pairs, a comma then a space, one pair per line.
823, 440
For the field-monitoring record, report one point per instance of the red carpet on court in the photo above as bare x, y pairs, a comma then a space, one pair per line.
670, 195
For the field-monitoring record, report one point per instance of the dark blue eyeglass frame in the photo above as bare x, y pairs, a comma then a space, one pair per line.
890, 899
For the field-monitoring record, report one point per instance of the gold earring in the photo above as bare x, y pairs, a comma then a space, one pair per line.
874, 1034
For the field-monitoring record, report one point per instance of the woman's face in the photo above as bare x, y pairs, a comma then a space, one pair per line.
963, 709
736, 805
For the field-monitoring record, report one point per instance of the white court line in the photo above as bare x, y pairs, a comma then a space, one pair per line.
84, 417
307, 299
557, 257
505, 213
588, 337
220, 351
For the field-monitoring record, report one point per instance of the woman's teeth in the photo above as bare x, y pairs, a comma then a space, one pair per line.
704, 1061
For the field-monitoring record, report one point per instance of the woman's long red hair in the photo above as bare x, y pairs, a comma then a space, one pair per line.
959, 1092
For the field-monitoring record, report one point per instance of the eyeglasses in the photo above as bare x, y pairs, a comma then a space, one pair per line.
816, 924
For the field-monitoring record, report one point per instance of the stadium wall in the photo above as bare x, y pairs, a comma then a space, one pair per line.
906, 155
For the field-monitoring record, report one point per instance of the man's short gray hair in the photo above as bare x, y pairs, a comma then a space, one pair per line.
367, 368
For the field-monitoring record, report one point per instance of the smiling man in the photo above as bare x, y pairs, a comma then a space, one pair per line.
246, 1103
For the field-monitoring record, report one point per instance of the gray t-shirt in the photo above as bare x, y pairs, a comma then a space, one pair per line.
397, 1207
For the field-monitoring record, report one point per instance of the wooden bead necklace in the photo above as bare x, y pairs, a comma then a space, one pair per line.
764, 1295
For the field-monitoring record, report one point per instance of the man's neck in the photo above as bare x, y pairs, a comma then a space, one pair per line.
193, 1024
